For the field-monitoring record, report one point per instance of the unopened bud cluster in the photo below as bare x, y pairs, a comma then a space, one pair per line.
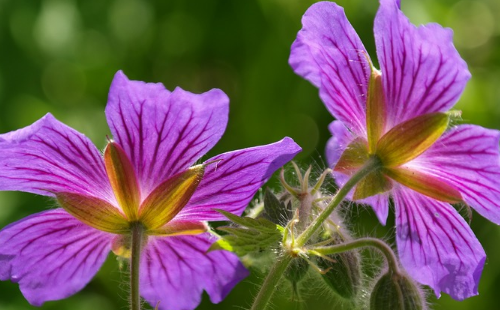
340, 271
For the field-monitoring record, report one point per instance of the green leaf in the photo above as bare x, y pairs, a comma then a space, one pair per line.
252, 235
275, 210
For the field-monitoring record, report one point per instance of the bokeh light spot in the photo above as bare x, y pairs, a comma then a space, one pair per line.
472, 22
56, 26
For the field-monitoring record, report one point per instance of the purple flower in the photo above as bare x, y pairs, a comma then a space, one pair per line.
396, 116
146, 176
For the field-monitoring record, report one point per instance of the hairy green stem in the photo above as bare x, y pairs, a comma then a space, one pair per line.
372, 164
271, 282
279, 267
380, 245
137, 231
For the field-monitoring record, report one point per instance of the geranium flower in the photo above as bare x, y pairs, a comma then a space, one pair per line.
146, 175
397, 117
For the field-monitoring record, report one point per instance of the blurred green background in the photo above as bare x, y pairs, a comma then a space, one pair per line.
59, 56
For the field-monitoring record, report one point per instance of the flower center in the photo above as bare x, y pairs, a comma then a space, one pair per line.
393, 149
156, 212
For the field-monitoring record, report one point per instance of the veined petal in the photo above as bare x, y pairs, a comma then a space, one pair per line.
123, 180
329, 54
341, 138
94, 212
162, 132
436, 246
176, 270
232, 179
170, 197
468, 158
51, 255
422, 71
338, 143
48, 157
411, 138
379, 204
180, 227
425, 184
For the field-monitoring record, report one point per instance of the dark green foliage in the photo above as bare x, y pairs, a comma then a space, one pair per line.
251, 235
275, 210
297, 269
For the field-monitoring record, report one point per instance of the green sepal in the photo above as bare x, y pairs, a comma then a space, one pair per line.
354, 157
371, 185
123, 179
168, 198
375, 110
252, 235
411, 138
94, 212
425, 184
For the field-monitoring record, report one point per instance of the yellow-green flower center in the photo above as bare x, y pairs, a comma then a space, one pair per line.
394, 148
155, 213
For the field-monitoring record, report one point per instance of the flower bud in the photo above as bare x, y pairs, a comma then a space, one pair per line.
342, 273
395, 291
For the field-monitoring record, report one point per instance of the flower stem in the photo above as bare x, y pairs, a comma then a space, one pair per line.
362, 242
372, 164
137, 231
271, 282
277, 270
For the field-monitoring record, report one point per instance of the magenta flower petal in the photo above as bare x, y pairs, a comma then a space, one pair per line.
436, 245
341, 138
176, 270
163, 132
329, 54
232, 179
468, 158
421, 73
159, 135
380, 205
421, 69
49, 157
51, 255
